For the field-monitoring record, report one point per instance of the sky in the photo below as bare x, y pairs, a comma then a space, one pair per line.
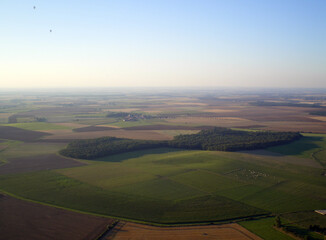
163, 43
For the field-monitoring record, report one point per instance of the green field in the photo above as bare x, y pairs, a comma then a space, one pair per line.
167, 185
305, 219
305, 147
264, 229
17, 149
172, 186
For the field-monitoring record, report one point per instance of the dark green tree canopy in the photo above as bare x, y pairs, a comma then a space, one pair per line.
216, 139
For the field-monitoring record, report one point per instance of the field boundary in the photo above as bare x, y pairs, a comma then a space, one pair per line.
120, 227
287, 233
171, 224
316, 159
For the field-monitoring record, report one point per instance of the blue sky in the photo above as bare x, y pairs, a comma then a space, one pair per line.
248, 43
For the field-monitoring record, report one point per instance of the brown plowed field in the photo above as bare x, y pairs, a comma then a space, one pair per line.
37, 163
26, 220
133, 231
314, 127
14, 133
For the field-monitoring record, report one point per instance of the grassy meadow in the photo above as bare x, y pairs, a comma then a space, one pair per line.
166, 185
264, 229
173, 186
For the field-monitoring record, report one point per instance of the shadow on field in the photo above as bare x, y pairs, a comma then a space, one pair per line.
298, 147
13, 133
136, 154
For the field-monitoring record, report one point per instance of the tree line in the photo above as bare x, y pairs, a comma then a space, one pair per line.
224, 139
216, 139
318, 113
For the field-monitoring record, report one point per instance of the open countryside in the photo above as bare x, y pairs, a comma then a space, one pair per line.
168, 184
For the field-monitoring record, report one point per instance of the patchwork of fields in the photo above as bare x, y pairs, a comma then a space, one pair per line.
165, 185
175, 186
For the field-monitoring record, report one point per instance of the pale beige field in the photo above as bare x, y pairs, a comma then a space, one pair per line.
133, 231
314, 127
320, 118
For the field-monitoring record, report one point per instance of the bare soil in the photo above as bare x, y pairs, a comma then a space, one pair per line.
27, 220
133, 231
37, 163
13, 133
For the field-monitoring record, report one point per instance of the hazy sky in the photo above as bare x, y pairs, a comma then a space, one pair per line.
109, 43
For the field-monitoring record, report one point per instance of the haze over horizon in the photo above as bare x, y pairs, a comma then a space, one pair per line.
126, 43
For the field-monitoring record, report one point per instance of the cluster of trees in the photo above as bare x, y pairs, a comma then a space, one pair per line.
105, 146
216, 139
318, 113
117, 114
40, 119
128, 116
224, 139
299, 232
12, 119
317, 228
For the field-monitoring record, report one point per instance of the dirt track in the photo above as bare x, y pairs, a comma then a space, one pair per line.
133, 231
26, 220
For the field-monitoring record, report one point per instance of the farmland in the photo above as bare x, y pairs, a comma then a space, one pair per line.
26, 220
138, 232
164, 185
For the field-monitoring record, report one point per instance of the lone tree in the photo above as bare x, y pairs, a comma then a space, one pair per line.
278, 222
